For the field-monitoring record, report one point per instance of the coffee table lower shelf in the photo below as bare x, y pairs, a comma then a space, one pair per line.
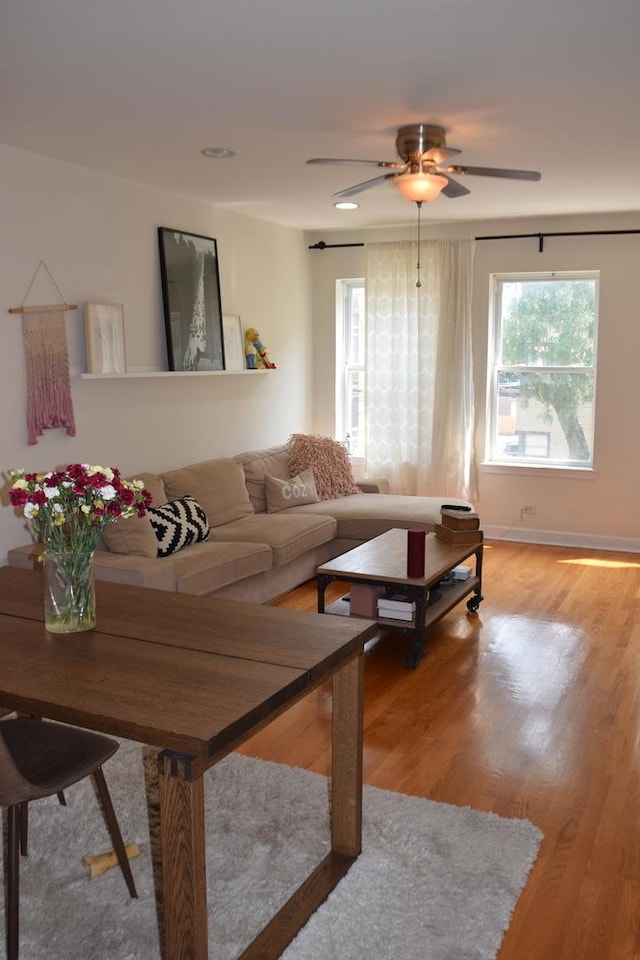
452, 594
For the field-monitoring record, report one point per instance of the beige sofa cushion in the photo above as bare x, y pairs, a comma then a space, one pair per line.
272, 461
217, 485
295, 492
134, 535
289, 535
205, 567
366, 515
201, 569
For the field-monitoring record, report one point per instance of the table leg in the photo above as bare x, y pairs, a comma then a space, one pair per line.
346, 782
183, 861
477, 598
321, 585
346, 818
417, 634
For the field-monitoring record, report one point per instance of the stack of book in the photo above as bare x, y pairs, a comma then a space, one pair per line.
396, 606
459, 527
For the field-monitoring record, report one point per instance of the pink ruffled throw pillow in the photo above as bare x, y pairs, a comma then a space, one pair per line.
329, 461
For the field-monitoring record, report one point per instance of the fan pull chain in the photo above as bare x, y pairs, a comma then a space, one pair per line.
419, 206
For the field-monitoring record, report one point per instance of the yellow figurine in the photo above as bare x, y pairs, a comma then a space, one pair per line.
255, 352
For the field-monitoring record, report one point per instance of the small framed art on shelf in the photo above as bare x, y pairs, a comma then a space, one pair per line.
104, 331
233, 343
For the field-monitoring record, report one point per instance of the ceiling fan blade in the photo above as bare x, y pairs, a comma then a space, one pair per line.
494, 172
440, 154
368, 163
359, 187
454, 189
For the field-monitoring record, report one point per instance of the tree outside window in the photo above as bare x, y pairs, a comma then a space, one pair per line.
543, 369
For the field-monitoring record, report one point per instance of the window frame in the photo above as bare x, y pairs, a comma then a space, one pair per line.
495, 367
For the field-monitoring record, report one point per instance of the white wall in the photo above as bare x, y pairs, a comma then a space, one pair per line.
599, 508
97, 234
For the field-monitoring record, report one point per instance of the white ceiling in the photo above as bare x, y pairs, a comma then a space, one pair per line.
137, 88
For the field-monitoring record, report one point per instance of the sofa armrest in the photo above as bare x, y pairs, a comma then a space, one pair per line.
374, 485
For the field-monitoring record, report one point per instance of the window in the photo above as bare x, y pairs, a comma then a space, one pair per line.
350, 372
542, 369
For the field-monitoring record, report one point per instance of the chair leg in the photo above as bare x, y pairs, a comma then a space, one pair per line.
24, 828
13, 882
114, 830
24, 823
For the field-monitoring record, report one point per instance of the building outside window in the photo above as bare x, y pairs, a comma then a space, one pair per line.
350, 365
542, 369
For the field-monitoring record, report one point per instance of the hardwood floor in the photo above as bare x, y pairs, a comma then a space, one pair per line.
529, 709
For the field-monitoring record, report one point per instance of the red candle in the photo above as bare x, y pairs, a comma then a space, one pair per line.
416, 542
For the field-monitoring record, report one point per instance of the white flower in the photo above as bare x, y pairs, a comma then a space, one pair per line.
31, 510
107, 492
57, 508
51, 492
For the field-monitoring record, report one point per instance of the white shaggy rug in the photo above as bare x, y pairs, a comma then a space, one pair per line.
434, 881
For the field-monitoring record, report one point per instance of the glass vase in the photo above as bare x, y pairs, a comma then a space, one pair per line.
69, 592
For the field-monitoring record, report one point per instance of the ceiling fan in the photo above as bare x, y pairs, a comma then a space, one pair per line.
423, 169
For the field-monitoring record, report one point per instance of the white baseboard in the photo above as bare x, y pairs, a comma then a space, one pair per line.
562, 538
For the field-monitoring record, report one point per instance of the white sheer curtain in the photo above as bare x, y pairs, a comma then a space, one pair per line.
420, 410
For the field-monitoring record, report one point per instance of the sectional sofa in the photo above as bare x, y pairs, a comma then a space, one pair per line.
262, 531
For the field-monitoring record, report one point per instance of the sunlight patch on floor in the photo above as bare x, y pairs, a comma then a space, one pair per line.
597, 562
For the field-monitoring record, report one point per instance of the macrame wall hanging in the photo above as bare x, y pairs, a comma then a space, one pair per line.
49, 403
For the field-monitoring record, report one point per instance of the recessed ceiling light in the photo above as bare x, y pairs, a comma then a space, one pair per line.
346, 205
218, 153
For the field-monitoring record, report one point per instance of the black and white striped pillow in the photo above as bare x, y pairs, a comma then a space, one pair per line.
177, 524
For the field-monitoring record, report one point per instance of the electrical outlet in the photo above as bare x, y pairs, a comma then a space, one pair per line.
527, 510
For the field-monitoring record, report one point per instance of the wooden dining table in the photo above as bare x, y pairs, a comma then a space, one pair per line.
194, 677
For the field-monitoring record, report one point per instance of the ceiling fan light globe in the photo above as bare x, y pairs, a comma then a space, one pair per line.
420, 187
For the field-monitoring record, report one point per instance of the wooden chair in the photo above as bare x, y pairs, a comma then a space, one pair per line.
24, 819
39, 759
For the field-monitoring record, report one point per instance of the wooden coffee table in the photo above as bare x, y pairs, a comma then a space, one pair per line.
383, 562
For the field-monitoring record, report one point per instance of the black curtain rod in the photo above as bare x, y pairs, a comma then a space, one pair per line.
321, 245
540, 237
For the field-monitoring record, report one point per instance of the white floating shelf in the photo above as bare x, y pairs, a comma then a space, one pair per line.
170, 373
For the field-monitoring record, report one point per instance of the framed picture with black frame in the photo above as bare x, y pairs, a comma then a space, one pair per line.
191, 300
